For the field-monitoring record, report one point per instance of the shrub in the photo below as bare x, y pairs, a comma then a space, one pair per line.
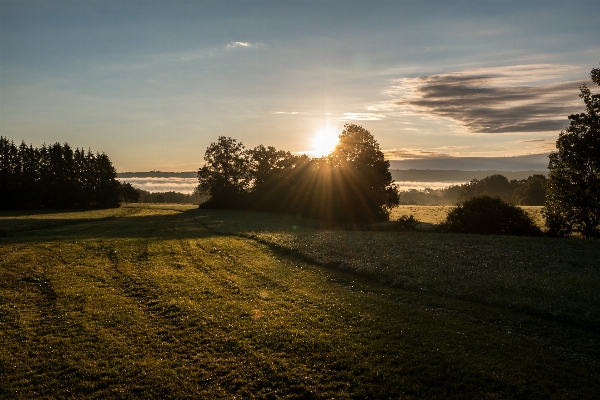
488, 215
406, 223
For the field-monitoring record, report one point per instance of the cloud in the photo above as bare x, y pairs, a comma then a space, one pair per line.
237, 45
455, 147
529, 98
362, 117
412, 154
532, 140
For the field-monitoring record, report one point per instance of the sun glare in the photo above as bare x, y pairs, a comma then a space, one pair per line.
324, 142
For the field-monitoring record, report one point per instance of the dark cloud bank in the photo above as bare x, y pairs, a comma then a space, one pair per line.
486, 104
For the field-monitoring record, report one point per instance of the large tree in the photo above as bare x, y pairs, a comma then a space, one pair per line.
225, 175
361, 177
573, 188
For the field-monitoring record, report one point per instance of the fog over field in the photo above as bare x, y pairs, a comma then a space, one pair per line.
174, 184
187, 185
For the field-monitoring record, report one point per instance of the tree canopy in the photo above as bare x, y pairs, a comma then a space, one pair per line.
351, 185
55, 176
573, 189
225, 174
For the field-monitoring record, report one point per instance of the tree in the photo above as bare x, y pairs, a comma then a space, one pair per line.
129, 193
531, 191
225, 174
493, 185
573, 187
362, 184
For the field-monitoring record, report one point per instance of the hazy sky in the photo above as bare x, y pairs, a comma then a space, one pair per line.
153, 83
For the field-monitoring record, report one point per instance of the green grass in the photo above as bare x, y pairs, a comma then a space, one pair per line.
148, 302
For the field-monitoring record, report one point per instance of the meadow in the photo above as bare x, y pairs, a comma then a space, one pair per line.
176, 302
431, 215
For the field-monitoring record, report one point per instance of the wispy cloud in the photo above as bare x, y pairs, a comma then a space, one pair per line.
533, 140
362, 117
412, 154
454, 147
237, 45
528, 98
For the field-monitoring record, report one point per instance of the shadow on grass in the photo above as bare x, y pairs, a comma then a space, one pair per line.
125, 226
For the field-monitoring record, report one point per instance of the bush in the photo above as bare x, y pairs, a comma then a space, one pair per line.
486, 215
406, 223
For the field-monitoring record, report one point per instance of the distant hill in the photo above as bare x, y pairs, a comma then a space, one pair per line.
157, 174
436, 175
532, 162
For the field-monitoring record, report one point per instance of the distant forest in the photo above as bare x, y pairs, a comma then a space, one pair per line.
525, 192
55, 176
170, 197
437, 175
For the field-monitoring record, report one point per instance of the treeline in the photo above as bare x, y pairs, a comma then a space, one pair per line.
170, 197
524, 192
352, 185
55, 176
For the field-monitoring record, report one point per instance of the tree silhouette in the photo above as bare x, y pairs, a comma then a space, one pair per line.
129, 193
225, 175
573, 188
352, 185
363, 185
55, 176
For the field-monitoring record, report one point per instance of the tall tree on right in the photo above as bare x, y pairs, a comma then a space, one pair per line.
573, 187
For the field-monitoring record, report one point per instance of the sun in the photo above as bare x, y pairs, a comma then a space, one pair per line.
324, 142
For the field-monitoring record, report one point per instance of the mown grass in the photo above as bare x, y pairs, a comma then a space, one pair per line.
554, 278
155, 305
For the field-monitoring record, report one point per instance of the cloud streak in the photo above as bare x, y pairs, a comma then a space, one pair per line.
412, 154
494, 100
362, 117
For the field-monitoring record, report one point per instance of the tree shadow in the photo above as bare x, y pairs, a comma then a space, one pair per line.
179, 225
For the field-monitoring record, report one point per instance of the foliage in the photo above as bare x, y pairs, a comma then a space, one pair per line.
225, 174
525, 192
55, 176
494, 185
129, 193
171, 197
531, 192
406, 223
351, 186
573, 189
364, 190
488, 215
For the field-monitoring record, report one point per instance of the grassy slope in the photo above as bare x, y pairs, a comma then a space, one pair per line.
153, 304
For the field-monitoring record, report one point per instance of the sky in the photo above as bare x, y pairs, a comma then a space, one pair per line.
153, 83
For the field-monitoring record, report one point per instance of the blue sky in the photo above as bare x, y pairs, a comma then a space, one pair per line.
153, 83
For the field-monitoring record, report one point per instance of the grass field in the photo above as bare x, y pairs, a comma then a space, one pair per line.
436, 214
175, 302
